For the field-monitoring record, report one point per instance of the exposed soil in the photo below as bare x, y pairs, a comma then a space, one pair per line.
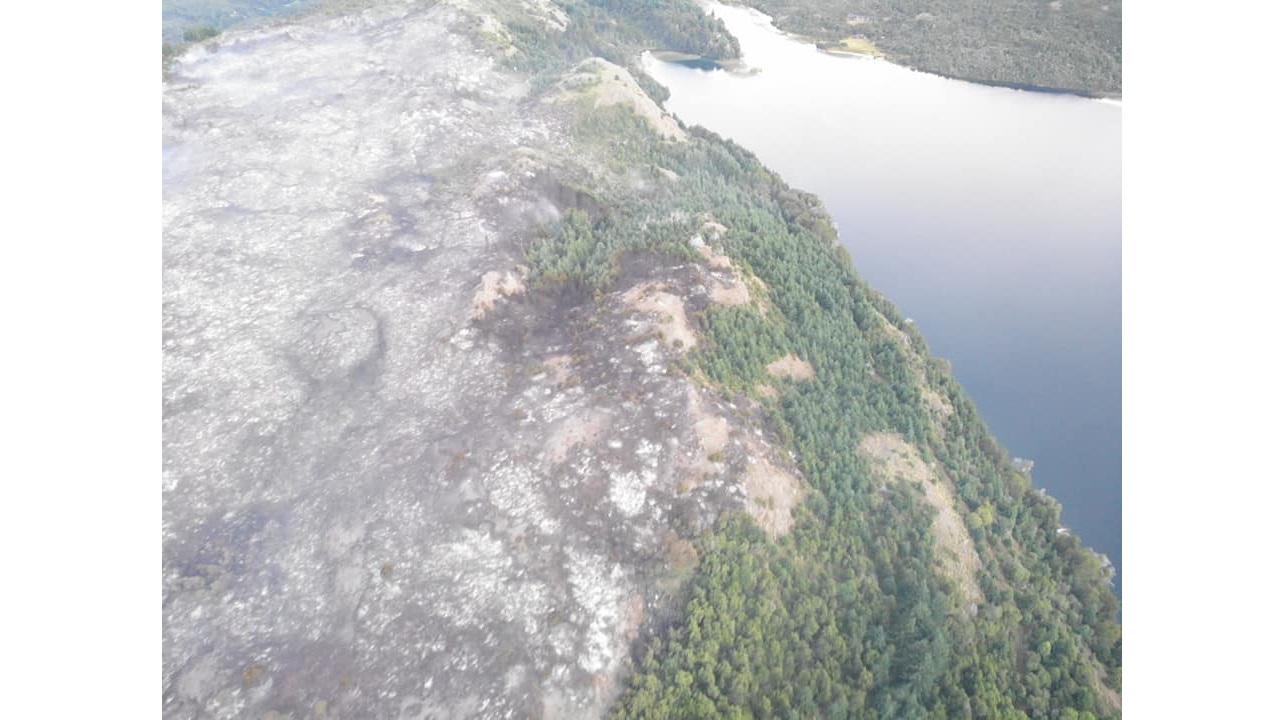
605, 83
495, 286
674, 328
772, 492
730, 292
790, 366
717, 261
559, 368
939, 406
713, 432
896, 460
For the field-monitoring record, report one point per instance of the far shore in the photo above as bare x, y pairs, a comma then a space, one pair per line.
829, 48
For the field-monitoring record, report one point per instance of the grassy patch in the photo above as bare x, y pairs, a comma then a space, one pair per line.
857, 45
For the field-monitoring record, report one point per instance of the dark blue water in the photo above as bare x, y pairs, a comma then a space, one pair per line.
990, 216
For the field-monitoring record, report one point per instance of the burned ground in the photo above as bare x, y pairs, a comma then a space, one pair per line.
397, 481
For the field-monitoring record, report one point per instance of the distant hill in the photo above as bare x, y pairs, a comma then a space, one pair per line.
181, 16
1074, 45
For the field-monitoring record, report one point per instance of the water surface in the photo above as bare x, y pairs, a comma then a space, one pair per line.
990, 216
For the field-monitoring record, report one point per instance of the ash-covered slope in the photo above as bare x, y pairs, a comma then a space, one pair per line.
395, 483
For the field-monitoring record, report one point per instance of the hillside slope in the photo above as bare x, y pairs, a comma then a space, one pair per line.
490, 390
1072, 45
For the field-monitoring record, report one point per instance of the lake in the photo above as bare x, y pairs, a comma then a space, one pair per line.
990, 216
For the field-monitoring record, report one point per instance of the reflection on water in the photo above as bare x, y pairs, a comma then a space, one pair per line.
991, 216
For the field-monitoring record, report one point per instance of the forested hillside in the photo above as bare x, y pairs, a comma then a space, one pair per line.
1073, 45
858, 612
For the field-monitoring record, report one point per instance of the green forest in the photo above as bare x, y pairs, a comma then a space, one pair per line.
1074, 45
847, 616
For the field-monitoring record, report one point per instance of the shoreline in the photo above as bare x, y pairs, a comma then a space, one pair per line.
676, 57
1024, 87
743, 22
827, 47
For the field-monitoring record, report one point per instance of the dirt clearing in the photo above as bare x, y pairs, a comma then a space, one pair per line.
897, 460
674, 327
790, 366
772, 493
